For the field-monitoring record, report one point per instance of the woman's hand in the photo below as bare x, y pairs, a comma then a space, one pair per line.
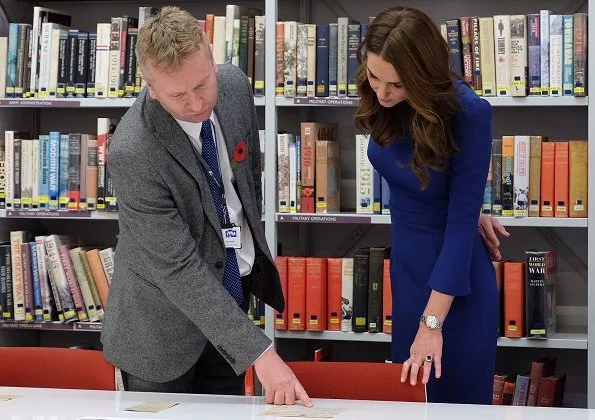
488, 227
425, 351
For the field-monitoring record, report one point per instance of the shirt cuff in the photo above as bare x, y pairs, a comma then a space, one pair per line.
267, 349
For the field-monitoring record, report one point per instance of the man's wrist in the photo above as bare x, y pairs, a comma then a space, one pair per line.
262, 354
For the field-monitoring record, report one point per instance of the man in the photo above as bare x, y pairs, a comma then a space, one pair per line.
191, 244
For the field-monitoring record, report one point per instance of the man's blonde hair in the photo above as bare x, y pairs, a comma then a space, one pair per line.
167, 38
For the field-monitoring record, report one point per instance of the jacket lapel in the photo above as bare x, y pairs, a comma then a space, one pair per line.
233, 135
176, 142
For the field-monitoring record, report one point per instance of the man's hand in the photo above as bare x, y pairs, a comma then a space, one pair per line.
488, 226
280, 384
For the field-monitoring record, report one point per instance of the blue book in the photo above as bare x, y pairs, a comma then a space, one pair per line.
322, 63
64, 164
44, 164
54, 170
377, 189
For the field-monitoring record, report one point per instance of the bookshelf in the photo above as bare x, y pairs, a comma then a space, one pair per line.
564, 117
301, 234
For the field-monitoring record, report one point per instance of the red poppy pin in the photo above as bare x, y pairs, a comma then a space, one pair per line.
240, 152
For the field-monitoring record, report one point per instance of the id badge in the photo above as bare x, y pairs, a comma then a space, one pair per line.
232, 237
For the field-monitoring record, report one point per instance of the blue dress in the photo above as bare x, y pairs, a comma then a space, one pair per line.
436, 246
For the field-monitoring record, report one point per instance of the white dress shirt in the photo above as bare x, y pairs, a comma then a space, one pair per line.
245, 254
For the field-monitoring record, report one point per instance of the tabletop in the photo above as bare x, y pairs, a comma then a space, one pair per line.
56, 404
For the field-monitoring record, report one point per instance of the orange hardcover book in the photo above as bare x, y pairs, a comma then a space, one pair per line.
249, 382
98, 275
514, 299
578, 151
535, 175
335, 286
281, 317
279, 58
323, 354
296, 293
561, 179
387, 299
307, 200
316, 294
310, 133
210, 27
548, 152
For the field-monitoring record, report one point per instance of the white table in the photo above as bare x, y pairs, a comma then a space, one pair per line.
55, 404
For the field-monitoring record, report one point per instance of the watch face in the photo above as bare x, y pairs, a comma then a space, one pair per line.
432, 322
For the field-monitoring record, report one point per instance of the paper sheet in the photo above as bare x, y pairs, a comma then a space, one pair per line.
152, 407
117, 418
8, 397
301, 411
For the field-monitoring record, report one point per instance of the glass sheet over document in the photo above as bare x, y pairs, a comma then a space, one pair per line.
303, 412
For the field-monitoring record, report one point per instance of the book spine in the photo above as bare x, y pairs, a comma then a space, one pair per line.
568, 55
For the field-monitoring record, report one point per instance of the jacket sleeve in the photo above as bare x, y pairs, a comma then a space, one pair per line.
173, 263
468, 174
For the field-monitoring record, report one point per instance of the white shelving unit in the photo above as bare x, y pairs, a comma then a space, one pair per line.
582, 340
279, 114
563, 340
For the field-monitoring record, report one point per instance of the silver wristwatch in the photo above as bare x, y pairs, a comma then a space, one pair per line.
431, 322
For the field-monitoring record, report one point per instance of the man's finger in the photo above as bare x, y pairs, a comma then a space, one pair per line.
290, 398
279, 397
300, 394
269, 396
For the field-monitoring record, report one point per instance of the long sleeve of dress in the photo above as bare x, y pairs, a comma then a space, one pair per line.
468, 173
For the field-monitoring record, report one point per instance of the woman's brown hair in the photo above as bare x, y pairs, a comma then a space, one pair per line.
409, 40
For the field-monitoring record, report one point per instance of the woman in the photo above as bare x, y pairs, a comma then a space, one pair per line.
430, 138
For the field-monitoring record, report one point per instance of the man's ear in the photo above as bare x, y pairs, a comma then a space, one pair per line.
150, 88
151, 92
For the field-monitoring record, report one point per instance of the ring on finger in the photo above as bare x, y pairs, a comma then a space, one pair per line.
428, 359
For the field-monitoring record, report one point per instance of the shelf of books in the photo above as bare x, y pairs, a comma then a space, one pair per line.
384, 219
577, 341
499, 101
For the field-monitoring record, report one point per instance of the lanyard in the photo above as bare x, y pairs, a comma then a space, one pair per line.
216, 177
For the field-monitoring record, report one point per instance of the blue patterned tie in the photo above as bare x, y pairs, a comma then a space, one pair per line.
231, 277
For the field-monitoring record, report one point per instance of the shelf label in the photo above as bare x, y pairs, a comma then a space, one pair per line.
322, 218
46, 214
324, 101
87, 326
38, 103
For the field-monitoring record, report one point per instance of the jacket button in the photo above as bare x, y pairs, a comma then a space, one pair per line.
218, 265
